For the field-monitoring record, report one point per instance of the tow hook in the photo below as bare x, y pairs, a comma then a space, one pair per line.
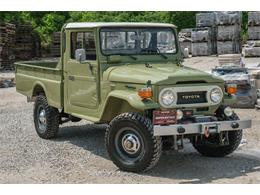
206, 132
234, 125
181, 130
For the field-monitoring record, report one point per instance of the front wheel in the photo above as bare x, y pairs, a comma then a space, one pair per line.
130, 143
210, 146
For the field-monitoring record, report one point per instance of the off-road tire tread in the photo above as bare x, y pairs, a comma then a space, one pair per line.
221, 151
52, 117
157, 142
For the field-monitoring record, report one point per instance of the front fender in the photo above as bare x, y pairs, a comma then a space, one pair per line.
120, 101
133, 100
229, 100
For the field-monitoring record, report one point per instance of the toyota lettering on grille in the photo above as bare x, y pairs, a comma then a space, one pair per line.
190, 96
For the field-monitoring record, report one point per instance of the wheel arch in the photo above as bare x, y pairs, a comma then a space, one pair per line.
121, 101
119, 106
38, 89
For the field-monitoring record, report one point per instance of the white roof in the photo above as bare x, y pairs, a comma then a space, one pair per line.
115, 24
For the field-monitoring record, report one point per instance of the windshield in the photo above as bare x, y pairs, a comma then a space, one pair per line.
137, 41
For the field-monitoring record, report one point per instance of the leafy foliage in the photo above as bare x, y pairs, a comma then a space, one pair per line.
45, 23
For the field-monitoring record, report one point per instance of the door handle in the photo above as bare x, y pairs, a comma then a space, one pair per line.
72, 78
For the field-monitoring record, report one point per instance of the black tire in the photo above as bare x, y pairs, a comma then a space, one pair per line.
50, 127
141, 129
207, 147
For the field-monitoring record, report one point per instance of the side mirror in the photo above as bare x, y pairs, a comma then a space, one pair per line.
80, 55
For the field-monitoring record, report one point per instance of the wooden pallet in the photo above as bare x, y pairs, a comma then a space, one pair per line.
55, 44
7, 43
24, 42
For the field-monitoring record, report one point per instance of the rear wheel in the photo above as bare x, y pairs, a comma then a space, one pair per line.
46, 118
210, 146
130, 143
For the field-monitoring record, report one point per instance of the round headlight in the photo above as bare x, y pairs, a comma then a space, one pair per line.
216, 95
167, 97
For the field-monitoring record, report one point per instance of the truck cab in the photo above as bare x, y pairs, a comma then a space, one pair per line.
112, 66
130, 76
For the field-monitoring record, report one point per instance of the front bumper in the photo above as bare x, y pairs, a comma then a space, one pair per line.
204, 128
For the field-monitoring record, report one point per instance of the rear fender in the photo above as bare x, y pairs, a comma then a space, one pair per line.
36, 89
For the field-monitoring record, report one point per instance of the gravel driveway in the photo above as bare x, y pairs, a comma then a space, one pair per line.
78, 155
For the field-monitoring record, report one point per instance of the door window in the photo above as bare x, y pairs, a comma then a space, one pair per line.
83, 40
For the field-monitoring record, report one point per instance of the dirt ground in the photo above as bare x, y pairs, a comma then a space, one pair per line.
78, 154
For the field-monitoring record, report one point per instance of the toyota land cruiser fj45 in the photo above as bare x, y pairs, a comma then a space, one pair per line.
130, 76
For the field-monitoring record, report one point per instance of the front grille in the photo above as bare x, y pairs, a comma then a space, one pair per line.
191, 97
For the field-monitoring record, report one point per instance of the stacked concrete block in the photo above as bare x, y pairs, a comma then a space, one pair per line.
201, 35
7, 43
254, 18
228, 47
252, 48
253, 32
201, 49
231, 32
231, 60
201, 41
256, 79
228, 32
185, 39
208, 20
228, 18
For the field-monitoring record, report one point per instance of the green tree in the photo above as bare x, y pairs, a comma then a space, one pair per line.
45, 23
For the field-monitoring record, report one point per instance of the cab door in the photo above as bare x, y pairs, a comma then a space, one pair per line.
81, 76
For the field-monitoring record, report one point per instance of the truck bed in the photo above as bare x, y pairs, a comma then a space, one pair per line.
45, 74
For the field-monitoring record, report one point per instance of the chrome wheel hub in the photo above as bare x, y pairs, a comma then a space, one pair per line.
42, 120
131, 143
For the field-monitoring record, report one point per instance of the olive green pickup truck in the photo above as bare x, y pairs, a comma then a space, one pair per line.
130, 76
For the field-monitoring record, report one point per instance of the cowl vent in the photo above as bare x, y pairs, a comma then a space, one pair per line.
190, 82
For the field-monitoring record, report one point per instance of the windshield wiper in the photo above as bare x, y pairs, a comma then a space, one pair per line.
157, 51
164, 56
161, 54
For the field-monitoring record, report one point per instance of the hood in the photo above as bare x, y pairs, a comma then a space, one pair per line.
158, 74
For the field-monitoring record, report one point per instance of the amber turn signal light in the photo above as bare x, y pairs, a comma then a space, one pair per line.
231, 89
145, 93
